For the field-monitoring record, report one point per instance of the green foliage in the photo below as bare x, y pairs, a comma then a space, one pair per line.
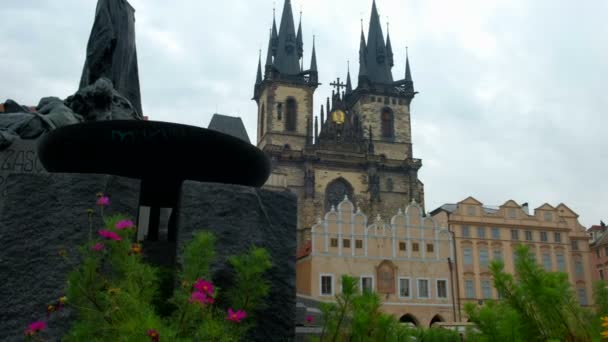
356, 317
118, 297
600, 297
537, 306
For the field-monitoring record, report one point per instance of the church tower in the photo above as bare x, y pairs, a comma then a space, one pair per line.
284, 91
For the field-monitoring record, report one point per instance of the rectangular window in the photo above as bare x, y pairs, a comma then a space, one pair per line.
404, 287
602, 274
466, 232
358, 243
512, 213
543, 237
429, 247
483, 257
486, 289
515, 258
423, 288
367, 284
442, 289
415, 247
557, 237
561, 262
481, 232
469, 289
373, 98
597, 253
467, 256
582, 295
528, 235
578, 268
497, 254
547, 261
402, 246
574, 244
606, 251
548, 216
334, 242
471, 210
346, 243
514, 234
327, 285
495, 233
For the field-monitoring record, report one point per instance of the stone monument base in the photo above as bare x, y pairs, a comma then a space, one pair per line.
43, 221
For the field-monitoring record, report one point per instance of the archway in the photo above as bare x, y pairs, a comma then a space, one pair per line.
435, 319
409, 318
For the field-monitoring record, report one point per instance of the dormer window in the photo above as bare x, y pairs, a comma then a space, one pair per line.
387, 122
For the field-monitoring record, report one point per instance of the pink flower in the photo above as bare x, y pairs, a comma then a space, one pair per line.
103, 201
236, 316
204, 286
154, 336
123, 224
97, 247
201, 298
109, 235
309, 319
35, 327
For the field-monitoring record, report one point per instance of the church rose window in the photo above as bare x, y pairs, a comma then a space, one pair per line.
291, 115
335, 192
387, 123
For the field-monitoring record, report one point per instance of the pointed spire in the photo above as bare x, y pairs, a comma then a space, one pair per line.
258, 77
408, 73
313, 59
269, 54
299, 42
378, 69
327, 105
389, 48
286, 59
362, 54
349, 85
322, 117
274, 36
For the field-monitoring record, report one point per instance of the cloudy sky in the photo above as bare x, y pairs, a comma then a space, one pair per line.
512, 101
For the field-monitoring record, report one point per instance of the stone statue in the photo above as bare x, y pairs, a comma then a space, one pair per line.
111, 51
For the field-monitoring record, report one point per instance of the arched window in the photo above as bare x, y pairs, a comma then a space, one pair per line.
335, 192
261, 130
291, 115
409, 318
386, 118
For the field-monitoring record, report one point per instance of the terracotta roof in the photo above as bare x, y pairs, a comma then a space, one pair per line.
305, 250
595, 228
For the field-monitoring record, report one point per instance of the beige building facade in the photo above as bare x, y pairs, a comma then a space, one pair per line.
405, 259
481, 233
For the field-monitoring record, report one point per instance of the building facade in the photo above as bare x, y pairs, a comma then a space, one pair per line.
556, 239
599, 251
359, 144
406, 260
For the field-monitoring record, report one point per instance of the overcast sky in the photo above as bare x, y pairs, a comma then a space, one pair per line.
512, 101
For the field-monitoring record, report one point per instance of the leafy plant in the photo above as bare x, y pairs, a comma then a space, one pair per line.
118, 297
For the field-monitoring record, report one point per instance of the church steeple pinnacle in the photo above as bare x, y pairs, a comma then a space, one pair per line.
299, 42
286, 59
377, 65
349, 85
362, 54
408, 73
270, 53
258, 76
389, 48
313, 59
274, 36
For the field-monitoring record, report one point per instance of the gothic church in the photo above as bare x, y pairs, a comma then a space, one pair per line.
360, 144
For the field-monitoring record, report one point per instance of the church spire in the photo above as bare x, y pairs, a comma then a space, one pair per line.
349, 85
258, 76
274, 36
270, 53
286, 59
299, 42
378, 69
362, 54
313, 59
389, 48
408, 73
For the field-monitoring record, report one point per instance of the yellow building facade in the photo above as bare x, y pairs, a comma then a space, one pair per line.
405, 259
481, 233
